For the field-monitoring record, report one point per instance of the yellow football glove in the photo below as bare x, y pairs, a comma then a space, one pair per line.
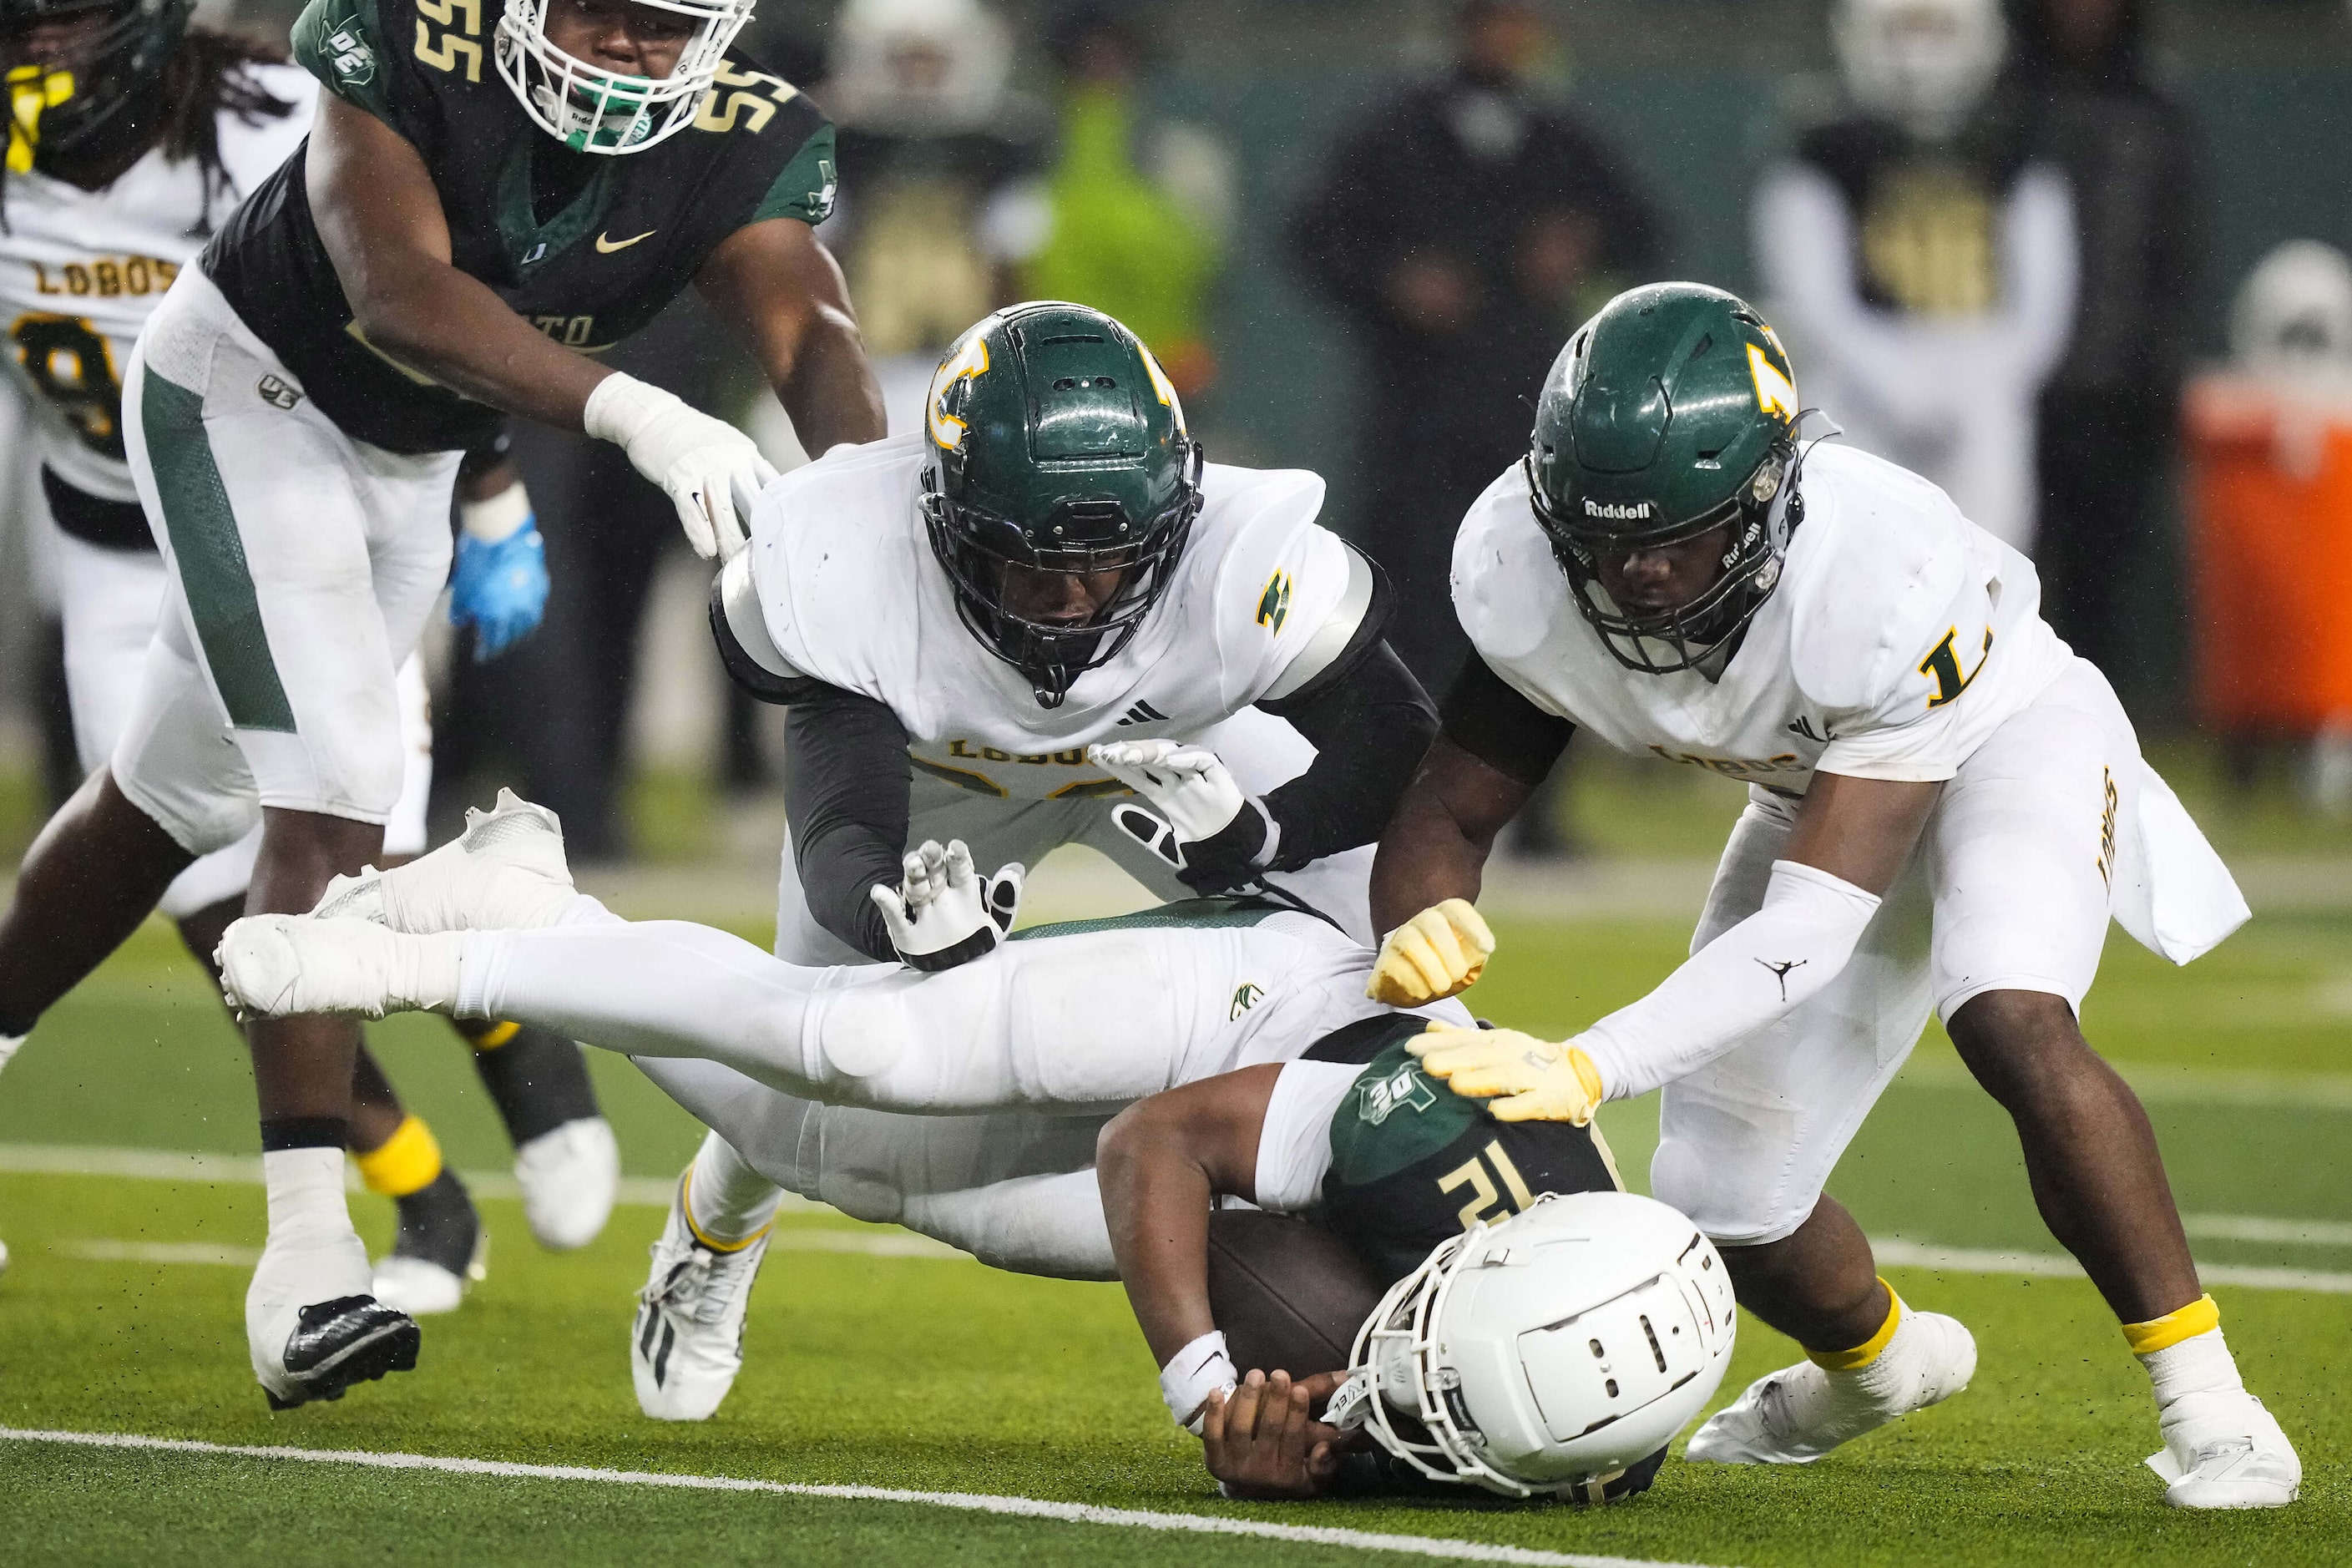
1438, 951
1528, 1078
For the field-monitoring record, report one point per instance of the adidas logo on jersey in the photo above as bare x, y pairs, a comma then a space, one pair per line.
1619, 511
1143, 713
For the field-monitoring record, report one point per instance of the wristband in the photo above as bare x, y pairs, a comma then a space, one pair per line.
497, 518
1195, 1373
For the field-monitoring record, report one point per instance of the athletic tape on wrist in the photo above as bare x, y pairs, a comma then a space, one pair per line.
498, 518
1198, 1370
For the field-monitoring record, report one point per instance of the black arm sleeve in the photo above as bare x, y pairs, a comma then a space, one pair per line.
1502, 729
1370, 728
846, 790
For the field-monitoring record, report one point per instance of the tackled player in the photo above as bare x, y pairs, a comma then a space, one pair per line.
475, 210
1273, 1079
1946, 806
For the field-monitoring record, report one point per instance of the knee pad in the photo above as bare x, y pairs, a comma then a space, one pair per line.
857, 1030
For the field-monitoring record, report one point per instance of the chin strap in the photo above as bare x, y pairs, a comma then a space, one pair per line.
1351, 1405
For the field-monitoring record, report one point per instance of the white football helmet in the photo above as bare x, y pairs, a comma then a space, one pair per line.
1546, 1352
2294, 314
591, 110
1924, 64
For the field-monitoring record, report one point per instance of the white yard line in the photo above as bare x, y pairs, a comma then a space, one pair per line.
2262, 1229
245, 1170
974, 1502
1902, 1254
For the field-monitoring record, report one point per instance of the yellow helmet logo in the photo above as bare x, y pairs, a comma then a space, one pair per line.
1775, 392
967, 360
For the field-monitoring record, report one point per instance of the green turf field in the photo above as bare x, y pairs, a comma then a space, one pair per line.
871, 1362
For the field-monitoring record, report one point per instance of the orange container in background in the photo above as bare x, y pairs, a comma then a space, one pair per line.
2270, 543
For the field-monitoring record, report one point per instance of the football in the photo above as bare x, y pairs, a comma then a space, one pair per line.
1288, 1295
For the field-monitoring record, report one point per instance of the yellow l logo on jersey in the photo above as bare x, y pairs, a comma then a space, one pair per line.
1274, 604
1775, 392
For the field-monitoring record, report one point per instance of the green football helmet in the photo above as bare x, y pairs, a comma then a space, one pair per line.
1671, 412
1057, 445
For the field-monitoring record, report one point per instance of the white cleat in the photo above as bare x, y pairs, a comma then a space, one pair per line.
686, 1344
2223, 1450
570, 1176
272, 966
505, 872
1795, 1415
420, 1287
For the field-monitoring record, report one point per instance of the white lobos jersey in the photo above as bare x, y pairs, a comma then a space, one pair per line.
850, 593
1890, 606
80, 270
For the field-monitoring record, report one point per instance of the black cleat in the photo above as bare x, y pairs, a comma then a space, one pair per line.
352, 1339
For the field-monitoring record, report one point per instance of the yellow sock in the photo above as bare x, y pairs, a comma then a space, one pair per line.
408, 1162
2200, 1316
494, 1036
1863, 1354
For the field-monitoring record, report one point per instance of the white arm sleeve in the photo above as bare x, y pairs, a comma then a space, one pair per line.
1294, 1146
1750, 977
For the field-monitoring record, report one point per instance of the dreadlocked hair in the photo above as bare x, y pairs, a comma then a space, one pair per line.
207, 76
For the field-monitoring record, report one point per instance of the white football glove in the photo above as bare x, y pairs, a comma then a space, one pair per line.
944, 912
1200, 821
711, 470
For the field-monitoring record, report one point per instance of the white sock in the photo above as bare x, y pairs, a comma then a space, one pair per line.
9, 1044
2200, 1363
727, 1202
313, 1255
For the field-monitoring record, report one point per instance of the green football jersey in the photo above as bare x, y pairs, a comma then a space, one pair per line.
1413, 1162
630, 235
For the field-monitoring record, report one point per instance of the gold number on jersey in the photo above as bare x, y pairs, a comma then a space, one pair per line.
444, 53
69, 363
1483, 1191
709, 115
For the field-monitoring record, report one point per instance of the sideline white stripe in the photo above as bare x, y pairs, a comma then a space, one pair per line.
975, 1502
1902, 1254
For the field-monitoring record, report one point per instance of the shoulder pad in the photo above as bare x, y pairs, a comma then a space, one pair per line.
1887, 553
1508, 588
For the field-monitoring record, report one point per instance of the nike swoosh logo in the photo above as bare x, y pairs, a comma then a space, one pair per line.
606, 247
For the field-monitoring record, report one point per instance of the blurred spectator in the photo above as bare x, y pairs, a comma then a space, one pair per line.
2110, 412
2270, 521
1463, 227
940, 171
1135, 207
1920, 259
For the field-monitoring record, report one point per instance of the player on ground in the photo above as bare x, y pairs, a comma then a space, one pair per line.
1299, 1095
474, 207
998, 629
1946, 806
133, 139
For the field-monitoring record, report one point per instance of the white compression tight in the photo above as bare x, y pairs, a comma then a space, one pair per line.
1078, 1023
1016, 1190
